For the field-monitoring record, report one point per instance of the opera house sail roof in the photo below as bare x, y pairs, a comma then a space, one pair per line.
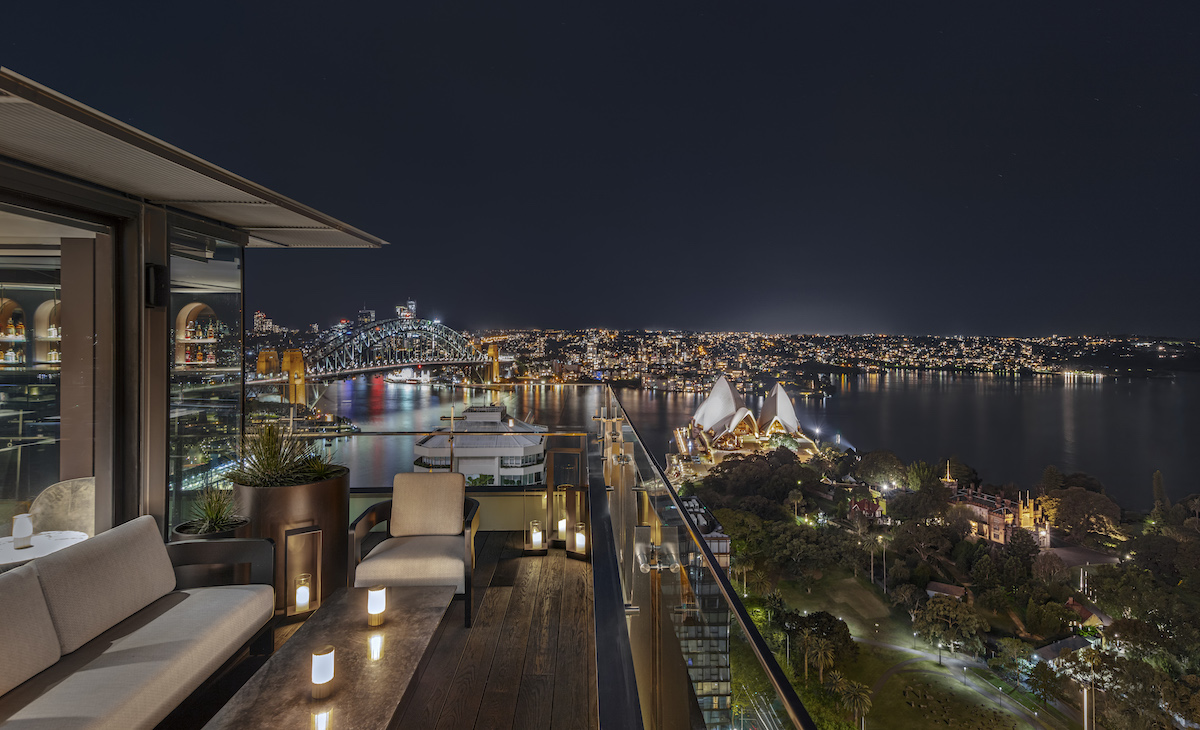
723, 410
778, 413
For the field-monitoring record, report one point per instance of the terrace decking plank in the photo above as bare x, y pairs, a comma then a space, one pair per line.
571, 697
534, 702
461, 704
499, 706
425, 707
540, 653
593, 692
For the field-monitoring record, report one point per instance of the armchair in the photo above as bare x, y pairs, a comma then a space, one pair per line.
431, 536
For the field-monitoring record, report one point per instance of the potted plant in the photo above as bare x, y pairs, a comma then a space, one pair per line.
283, 482
214, 515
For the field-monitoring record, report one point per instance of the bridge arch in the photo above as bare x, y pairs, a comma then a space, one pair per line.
391, 343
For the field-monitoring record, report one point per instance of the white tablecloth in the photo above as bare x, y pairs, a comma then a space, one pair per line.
44, 543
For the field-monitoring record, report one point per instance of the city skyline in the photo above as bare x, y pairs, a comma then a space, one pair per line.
795, 169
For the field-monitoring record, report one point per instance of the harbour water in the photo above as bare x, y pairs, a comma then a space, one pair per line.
1008, 428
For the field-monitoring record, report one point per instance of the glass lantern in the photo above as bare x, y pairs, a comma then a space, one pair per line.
578, 543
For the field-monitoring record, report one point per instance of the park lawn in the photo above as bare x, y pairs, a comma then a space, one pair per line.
872, 662
898, 703
855, 601
1027, 699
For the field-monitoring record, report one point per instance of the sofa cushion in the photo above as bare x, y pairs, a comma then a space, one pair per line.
93, 585
427, 504
137, 672
26, 633
428, 560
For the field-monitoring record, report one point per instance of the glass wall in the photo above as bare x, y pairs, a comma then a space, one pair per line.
48, 390
205, 343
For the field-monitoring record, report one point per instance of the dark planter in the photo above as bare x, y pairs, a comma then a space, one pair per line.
324, 504
179, 532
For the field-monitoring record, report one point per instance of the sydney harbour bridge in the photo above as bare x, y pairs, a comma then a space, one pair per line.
386, 345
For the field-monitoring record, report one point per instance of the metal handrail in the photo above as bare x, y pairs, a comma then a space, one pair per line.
783, 688
617, 696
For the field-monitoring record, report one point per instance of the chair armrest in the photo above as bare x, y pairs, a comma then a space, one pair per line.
257, 551
470, 510
470, 521
372, 516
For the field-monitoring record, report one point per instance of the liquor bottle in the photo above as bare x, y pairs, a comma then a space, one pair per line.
212, 330
11, 329
212, 355
10, 356
53, 355
20, 329
52, 331
187, 353
191, 330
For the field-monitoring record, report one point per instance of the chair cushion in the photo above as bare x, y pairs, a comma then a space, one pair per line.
93, 585
134, 674
427, 504
26, 633
427, 560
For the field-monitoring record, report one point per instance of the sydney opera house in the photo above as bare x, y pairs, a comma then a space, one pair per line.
723, 422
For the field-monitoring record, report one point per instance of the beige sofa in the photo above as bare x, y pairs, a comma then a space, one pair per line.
97, 636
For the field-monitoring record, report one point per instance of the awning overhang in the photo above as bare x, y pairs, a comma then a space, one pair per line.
40, 127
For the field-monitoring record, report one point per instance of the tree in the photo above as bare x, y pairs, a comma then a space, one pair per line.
958, 521
1052, 479
806, 641
924, 540
856, 696
827, 626
1081, 512
1013, 655
1043, 682
920, 475
1014, 572
795, 500
775, 606
881, 467
821, 654
836, 682
1160, 492
1023, 546
983, 573
949, 621
1049, 568
909, 597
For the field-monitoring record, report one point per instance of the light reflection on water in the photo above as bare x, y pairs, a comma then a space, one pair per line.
1008, 428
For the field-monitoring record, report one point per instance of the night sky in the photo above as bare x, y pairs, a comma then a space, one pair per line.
792, 166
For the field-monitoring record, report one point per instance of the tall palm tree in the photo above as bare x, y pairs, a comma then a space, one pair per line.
856, 696
822, 656
837, 682
806, 640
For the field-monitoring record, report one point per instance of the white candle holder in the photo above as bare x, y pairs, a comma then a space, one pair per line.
376, 603
22, 531
322, 672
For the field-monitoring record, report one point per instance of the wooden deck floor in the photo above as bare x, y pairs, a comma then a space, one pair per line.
528, 662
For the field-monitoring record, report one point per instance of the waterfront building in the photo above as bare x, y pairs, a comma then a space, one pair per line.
723, 419
494, 450
995, 518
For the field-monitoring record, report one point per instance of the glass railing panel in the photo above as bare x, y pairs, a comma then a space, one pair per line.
698, 657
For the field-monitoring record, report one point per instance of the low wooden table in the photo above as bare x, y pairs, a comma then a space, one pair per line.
366, 693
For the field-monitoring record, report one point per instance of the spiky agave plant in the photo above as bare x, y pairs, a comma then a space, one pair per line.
272, 458
214, 511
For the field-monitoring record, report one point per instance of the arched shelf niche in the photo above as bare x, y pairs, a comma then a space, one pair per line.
47, 330
12, 332
195, 328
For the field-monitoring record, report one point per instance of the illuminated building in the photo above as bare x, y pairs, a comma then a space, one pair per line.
496, 450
